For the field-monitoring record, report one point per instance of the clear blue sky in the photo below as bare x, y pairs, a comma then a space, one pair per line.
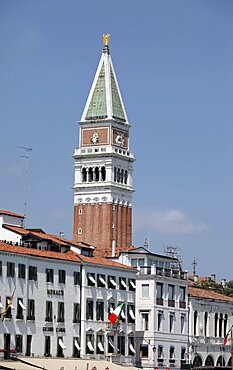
174, 63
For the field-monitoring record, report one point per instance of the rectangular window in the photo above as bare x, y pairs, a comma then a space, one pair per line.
182, 297
182, 324
91, 279
20, 308
182, 355
159, 299
144, 350
141, 262
172, 356
171, 295
89, 310
111, 344
49, 275
122, 283
101, 281
160, 355
10, 269
49, 311
19, 343
90, 343
8, 314
131, 313
31, 310
132, 285
134, 262
99, 344
121, 344
172, 353
100, 310
145, 290
21, 271
32, 273
171, 322
61, 276
160, 351
77, 278
0, 268
160, 320
76, 313
131, 348
145, 321
61, 312
112, 282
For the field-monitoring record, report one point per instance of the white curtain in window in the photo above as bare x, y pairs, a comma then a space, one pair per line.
77, 345
102, 280
61, 344
92, 279
90, 346
111, 343
113, 282
100, 346
131, 313
22, 305
132, 349
132, 284
124, 284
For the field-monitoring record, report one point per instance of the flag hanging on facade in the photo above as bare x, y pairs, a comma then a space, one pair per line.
227, 335
9, 304
116, 314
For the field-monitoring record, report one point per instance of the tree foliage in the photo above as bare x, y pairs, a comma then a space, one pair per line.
219, 288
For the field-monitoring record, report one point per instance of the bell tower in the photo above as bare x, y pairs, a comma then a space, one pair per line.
104, 166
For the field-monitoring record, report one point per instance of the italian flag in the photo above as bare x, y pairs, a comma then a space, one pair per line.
226, 337
116, 314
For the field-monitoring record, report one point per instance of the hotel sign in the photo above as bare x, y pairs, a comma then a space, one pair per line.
55, 292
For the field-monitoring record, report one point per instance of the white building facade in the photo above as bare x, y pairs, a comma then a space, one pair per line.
161, 309
210, 318
62, 299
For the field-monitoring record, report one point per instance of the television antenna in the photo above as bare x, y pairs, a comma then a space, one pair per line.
27, 151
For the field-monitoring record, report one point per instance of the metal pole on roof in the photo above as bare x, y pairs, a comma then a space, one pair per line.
26, 156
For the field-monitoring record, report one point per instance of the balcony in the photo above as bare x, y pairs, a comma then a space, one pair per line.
160, 271
182, 304
159, 301
171, 303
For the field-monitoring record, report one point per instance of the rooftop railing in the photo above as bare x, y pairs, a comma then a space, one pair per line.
161, 271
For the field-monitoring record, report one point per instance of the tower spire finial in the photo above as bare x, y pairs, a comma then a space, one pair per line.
106, 38
105, 41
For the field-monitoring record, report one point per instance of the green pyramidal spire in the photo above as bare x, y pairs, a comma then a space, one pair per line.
104, 100
98, 106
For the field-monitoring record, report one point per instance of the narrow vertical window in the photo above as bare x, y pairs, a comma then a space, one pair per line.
216, 325
195, 323
205, 323
84, 175
171, 322
160, 319
145, 321
103, 173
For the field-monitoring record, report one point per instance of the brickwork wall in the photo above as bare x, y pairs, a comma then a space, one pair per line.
96, 223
